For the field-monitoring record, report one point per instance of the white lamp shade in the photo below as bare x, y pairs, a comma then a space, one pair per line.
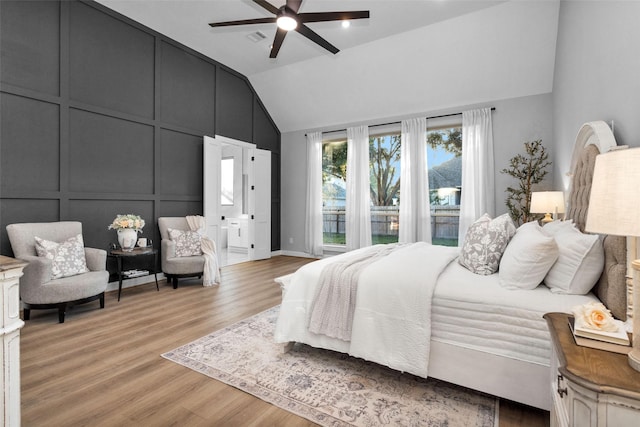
614, 203
547, 202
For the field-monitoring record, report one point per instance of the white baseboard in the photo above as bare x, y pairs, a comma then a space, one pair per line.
296, 254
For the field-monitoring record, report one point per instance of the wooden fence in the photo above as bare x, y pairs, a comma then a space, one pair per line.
384, 221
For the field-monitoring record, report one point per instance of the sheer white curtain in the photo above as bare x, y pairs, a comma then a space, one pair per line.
478, 187
415, 212
358, 209
313, 223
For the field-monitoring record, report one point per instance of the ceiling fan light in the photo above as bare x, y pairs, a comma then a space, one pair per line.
287, 23
346, 23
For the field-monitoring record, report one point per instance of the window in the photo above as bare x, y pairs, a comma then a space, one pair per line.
444, 151
226, 181
334, 190
384, 167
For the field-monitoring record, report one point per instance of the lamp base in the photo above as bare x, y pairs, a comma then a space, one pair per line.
634, 359
634, 355
547, 218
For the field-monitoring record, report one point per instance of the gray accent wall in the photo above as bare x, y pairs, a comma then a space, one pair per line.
597, 74
103, 116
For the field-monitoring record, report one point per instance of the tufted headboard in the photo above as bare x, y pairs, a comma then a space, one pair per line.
611, 289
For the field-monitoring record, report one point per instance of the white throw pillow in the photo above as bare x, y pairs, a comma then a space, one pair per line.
188, 243
485, 242
67, 258
554, 227
528, 258
579, 263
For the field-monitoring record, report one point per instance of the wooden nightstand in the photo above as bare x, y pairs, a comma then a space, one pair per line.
590, 387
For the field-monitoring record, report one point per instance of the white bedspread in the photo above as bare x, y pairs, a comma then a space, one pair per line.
391, 324
335, 301
475, 312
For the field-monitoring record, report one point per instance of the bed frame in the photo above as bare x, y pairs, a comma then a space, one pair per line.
526, 382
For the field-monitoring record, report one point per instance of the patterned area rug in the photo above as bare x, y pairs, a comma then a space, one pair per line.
329, 388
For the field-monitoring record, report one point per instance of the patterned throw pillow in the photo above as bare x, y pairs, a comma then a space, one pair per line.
67, 257
485, 243
188, 243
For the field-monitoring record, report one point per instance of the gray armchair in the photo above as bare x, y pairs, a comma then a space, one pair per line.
37, 288
175, 267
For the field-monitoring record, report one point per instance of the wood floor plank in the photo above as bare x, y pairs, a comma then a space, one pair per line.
103, 367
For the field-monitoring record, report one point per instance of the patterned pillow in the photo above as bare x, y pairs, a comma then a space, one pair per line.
67, 257
485, 243
188, 243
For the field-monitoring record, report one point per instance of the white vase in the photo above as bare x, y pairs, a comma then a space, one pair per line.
127, 238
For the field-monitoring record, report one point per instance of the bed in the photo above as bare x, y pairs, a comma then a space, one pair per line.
438, 319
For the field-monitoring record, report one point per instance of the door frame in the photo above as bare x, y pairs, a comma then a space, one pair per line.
211, 212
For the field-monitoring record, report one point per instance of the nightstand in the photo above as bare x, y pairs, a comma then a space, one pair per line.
590, 387
123, 257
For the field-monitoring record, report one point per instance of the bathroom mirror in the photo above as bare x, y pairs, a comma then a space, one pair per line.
226, 181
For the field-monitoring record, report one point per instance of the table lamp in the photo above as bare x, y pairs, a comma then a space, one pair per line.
547, 202
614, 208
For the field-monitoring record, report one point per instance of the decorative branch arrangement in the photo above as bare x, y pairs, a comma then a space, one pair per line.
528, 169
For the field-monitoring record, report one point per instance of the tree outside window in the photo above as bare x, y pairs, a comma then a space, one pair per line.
444, 149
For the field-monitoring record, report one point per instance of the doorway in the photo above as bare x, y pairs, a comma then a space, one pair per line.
237, 199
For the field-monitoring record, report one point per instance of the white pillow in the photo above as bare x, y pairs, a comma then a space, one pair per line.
528, 258
485, 242
554, 227
579, 263
67, 258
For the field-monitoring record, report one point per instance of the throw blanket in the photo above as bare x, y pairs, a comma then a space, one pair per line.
211, 273
392, 317
335, 300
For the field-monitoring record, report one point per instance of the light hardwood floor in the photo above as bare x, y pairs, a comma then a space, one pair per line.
103, 367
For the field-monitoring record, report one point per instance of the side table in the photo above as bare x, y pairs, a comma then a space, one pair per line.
591, 388
130, 257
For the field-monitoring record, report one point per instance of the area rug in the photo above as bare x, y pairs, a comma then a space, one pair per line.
329, 388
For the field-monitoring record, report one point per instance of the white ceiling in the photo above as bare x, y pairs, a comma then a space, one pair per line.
186, 22
411, 57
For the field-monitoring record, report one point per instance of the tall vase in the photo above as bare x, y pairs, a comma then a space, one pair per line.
127, 238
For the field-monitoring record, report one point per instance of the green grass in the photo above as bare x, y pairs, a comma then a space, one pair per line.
334, 239
340, 239
445, 242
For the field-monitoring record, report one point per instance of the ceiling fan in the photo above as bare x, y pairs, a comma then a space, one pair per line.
287, 18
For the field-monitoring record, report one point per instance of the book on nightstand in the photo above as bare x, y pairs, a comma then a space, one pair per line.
599, 343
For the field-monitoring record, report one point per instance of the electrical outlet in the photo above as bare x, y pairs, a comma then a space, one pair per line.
290, 239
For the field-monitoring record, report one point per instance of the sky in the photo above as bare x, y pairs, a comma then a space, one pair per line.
437, 157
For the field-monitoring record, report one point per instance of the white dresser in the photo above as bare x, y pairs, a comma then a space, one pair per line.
590, 387
10, 273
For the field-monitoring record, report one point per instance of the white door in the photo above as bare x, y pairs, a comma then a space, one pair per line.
259, 204
212, 154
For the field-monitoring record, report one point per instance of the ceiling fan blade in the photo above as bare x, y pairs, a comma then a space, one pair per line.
277, 42
244, 22
266, 5
314, 37
333, 16
294, 5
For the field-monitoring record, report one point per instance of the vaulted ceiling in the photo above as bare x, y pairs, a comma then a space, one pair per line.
409, 57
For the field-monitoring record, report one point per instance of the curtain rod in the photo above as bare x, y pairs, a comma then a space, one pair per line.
394, 123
